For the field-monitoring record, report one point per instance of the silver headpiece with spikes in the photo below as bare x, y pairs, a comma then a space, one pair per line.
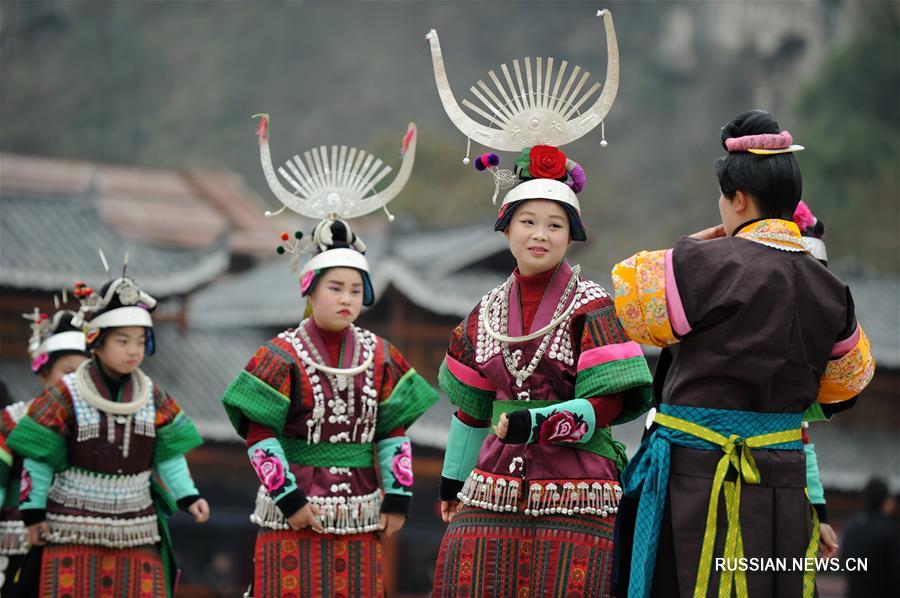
335, 183
536, 109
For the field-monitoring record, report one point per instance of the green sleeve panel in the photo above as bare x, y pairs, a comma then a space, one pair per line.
249, 398
411, 397
630, 376
30, 439
175, 438
474, 401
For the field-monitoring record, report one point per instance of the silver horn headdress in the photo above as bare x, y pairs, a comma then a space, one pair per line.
334, 183
536, 109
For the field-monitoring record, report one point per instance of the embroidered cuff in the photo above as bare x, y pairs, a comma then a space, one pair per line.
568, 422
271, 466
395, 459
641, 298
847, 375
519, 427
32, 516
396, 503
450, 489
185, 502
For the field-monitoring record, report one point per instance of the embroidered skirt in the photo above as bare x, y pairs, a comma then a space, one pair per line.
81, 571
485, 553
306, 564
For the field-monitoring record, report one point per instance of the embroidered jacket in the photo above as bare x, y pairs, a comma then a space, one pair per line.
89, 472
729, 309
567, 463
316, 437
13, 536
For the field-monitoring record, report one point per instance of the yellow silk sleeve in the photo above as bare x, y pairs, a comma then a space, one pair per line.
640, 296
846, 376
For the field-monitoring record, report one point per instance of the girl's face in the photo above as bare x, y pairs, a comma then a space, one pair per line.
538, 235
337, 299
62, 366
122, 351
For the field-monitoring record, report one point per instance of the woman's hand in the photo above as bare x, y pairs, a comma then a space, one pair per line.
828, 545
37, 532
200, 510
449, 509
502, 427
713, 232
391, 523
308, 516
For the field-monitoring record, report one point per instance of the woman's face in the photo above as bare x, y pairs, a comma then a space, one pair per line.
538, 235
122, 351
61, 366
337, 299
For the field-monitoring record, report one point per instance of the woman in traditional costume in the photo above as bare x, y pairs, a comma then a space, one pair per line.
91, 444
760, 332
531, 502
323, 407
56, 348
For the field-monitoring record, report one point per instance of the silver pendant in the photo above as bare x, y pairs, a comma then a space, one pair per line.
342, 383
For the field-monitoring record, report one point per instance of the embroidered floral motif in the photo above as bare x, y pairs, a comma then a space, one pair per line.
775, 233
846, 377
640, 284
270, 470
24, 486
401, 467
560, 426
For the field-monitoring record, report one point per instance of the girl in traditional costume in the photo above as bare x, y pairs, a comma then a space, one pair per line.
531, 507
56, 349
760, 333
91, 444
323, 406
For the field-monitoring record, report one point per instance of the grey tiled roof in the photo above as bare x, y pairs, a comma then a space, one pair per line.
47, 242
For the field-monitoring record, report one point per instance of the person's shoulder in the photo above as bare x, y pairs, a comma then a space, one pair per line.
591, 298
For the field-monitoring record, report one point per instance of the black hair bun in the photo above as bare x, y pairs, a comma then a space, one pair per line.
752, 122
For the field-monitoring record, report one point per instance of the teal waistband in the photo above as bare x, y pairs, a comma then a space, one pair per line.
647, 474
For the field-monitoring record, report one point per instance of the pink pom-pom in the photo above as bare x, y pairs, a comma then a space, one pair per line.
492, 159
479, 164
803, 216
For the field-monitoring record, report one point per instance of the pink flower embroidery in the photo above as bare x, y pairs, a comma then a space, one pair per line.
563, 426
401, 466
269, 469
307, 281
39, 361
24, 486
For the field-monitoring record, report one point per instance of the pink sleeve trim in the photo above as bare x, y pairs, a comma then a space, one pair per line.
606, 353
677, 317
467, 375
843, 347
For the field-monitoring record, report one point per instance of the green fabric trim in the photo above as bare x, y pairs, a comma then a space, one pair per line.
813, 483
814, 413
249, 398
328, 454
411, 397
463, 445
31, 439
175, 439
474, 401
175, 474
601, 442
631, 376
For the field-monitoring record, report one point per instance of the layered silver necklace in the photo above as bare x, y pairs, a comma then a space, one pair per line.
511, 359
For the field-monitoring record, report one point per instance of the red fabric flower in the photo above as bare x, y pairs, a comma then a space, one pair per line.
547, 162
562, 427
